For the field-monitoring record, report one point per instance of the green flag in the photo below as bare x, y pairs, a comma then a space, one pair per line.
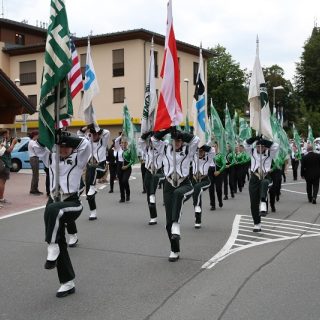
217, 130
128, 132
57, 64
244, 130
310, 136
297, 140
281, 138
230, 135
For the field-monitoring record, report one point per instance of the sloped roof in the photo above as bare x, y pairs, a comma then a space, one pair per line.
134, 34
12, 100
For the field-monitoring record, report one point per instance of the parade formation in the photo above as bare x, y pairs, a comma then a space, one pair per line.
182, 163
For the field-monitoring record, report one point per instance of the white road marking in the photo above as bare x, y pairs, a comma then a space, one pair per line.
293, 191
290, 183
238, 241
20, 212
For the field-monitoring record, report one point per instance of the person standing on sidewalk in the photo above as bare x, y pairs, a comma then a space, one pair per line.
34, 163
62, 211
6, 147
310, 171
177, 187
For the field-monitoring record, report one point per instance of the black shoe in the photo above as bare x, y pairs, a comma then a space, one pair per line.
65, 293
240, 189
127, 198
220, 205
232, 195
122, 200
314, 201
36, 193
277, 197
273, 209
144, 191
50, 264
310, 200
213, 208
225, 198
110, 191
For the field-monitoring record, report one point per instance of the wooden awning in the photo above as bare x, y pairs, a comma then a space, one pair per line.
12, 100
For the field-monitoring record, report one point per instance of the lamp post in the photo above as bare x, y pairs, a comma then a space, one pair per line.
17, 83
186, 80
274, 97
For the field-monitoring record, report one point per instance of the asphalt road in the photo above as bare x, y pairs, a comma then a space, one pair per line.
122, 271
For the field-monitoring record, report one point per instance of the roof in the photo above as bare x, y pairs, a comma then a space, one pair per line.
12, 100
22, 26
134, 34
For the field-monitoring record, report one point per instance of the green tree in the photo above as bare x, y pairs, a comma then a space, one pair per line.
226, 82
307, 79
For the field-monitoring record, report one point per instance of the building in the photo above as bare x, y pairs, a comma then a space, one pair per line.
120, 60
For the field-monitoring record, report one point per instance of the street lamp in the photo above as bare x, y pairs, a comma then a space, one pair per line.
274, 97
17, 83
186, 80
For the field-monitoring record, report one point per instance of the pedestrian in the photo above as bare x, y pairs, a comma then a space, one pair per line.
177, 187
111, 159
34, 163
96, 166
63, 210
310, 171
124, 166
6, 147
274, 190
200, 181
153, 172
261, 153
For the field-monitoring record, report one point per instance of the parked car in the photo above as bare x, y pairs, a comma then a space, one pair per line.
20, 156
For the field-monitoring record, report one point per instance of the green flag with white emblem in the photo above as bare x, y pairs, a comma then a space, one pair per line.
310, 136
57, 64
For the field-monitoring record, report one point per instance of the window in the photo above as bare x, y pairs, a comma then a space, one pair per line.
118, 95
118, 63
19, 39
195, 72
33, 99
156, 67
83, 58
28, 74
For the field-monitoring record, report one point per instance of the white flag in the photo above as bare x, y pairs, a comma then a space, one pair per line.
200, 121
91, 89
258, 99
150, 101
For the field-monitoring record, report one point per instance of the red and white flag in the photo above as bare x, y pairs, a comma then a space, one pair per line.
169, 112
74, 79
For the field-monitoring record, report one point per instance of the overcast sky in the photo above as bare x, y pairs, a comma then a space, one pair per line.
282, 25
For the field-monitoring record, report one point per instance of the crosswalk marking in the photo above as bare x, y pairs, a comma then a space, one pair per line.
273, 230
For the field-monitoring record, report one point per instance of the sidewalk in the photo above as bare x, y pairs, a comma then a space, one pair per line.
17, 192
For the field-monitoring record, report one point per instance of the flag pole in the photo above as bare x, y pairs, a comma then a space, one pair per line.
57, 169
174, 154
150, 142
260, 119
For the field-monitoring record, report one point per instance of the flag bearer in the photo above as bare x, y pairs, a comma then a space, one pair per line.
229, 173
216, 173
177, 188
201, 182
274, 191
153, 174
74, 154
261, 155
96, 167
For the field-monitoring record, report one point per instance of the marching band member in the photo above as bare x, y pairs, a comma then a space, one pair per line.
96, 166
177, 189
74, 155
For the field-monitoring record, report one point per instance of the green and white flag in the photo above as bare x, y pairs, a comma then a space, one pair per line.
230, 135
128, 132
297, 140
57, 64
310, 136
244, 130
258, 99
217, 129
